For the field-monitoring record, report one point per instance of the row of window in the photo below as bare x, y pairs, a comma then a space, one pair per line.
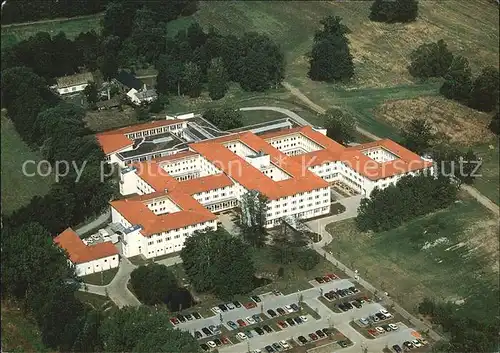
152, 132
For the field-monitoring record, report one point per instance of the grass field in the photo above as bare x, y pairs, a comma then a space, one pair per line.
488, 183
449, 255
18, 189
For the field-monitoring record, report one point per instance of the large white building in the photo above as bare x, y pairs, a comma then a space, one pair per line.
88, 259
293, 168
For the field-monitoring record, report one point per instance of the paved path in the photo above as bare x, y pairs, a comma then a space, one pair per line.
483, 200
60, 19
102, 219
284, 111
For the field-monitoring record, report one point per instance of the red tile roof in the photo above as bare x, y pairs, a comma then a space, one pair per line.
115, 140
79, 252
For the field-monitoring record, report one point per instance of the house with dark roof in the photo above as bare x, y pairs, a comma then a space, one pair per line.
127, 81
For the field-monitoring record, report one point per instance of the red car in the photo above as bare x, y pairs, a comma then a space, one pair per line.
174, 321
327, 279
313, 336
282, 324
241, 322
224, 340
250, 305
373, 332
331, 276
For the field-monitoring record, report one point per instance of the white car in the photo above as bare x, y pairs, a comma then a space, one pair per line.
285, 345
211, 344
393, 327
250, 320
256, 351
289, 309
216, 310
385, 313
379, 329
241, 336
416, 343
303, 318
230, 306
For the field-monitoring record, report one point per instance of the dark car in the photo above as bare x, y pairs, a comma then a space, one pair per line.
297, 320
272, 313
189, 317
218, 342
256, 298
354, 289
356, 304
343, 344
348, 305
340, 293
343, 307
223, 307
237, 304
267, 328
313, 336
408, 344
276, 292
319, 279
326, 331
277, 347
320, 334
386, 328
281, 311
295, 307
380, 316
269, 349
205, 347
196, 316
259, 331
397, 348
302, 339
329, 295
197, 335
290, 322
206, 331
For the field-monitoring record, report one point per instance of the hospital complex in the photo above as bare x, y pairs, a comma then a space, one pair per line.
176, 174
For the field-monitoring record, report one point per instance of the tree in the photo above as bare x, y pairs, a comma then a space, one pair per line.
307, 259
191, 80
170, 75
117, 20
91, 93
494, 124
382, 11
331, 59
430, 60
252, 218
457, 83
340, 126
159, 104
167, 341
225, 118
108, 63
418, 136
485, 90
153, 283
217, 79
391, 11
142, 114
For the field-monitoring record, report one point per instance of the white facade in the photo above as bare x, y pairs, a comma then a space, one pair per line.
99, 265
72, 89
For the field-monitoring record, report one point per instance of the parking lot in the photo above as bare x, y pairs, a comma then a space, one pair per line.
340, 321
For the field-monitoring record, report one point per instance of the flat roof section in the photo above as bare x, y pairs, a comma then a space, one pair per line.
151, 144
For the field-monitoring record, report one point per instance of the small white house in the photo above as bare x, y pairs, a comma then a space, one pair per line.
143, 96
74, 83
88, 259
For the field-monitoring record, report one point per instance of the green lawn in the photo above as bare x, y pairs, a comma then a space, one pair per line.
17, 188
459, 260
72, 27
488, 182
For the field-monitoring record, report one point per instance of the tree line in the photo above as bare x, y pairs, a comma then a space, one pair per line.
410, 197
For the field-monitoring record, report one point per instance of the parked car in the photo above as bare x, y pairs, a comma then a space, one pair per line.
353, 289
259, 331
267, 328
326, 331
348, 305
282, 324
303, 318
379, 329
272, 313
343, 344
249, 334
206, 331
320, 334
374, 318
313, 336
356, 304
408, 344
297, 320
241, 336
232, 325
189, 317
277, 292
250, 305
319, 279
302, 339
285, 345
364, 321
181, 318
217, 342
269, 349
387, 328
416, 343
331, 275
290, 322
256, 298
174, 320
241, 322
326, 279
343, 307
380, 316
256, 317
288, 309
198, 335
196, 316
250, 320
394, 327
329, 295
230, 306
277, 347
281, 311
385, 313
295, 307
237, 304
256, 351
205, 347
216, 310
224, 340
397, 348
223, 307
214, 329
211, 344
